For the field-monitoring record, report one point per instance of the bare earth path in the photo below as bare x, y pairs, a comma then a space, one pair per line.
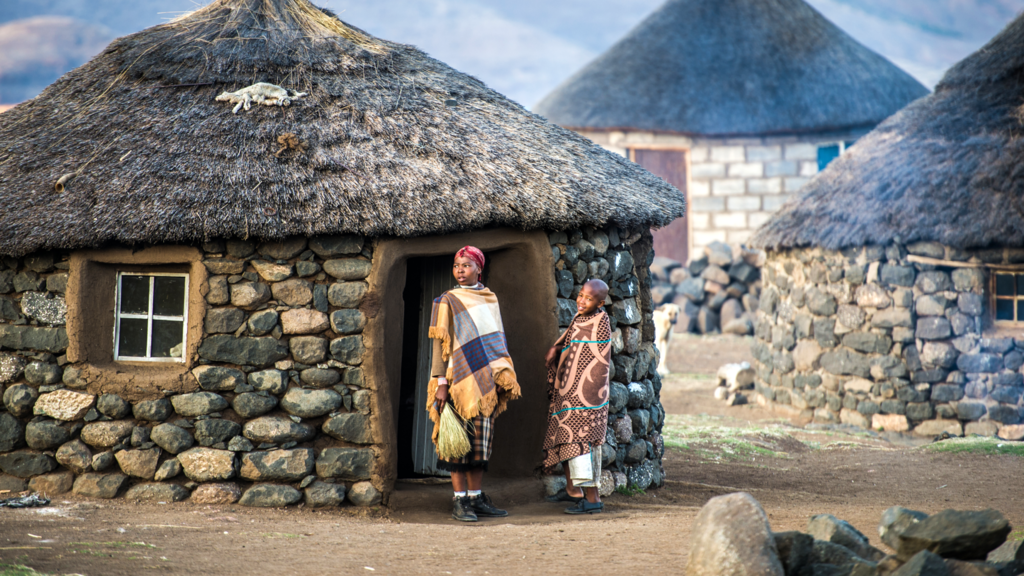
794, 473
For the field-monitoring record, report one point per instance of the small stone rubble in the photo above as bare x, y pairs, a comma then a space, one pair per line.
716, 293
731, 537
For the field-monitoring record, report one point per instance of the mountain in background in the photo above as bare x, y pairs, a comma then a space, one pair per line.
522, 48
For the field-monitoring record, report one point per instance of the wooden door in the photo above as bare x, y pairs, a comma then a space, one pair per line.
435, 277
673, 240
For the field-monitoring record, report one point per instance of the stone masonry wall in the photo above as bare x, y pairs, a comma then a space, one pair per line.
275, 412
871, 337
736, 184
631, 455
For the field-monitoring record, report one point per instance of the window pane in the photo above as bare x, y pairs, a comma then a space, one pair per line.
1004, 309
1020, 284
168, 296
134, 294
1020, 311
1004, 285
167, 338
132, 338
827, 154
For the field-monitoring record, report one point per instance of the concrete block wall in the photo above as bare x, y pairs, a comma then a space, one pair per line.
735, 184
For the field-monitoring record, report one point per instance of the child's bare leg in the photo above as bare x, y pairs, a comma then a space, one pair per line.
475, 478
570, 488
459, 481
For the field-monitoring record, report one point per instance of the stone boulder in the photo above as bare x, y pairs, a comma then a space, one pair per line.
924, 563
107, 434
364, 494
198, 403
353, 428
11, 432
45, 435
277, 430
321, 494
731, 536
345, 463
157, 492
139, 463
270, 496
96, 485
831, 529
218, 378
167, 470
171, 438
113, 406
64, 405
279, 465
75, 456
214, 430
959, 534
19, 399
52, 484
304, 321
310, 403
251, 404
207, 464
217, 493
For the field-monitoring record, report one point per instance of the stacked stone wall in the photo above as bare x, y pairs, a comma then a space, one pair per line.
276, 408
275, 411
891, 337
633, 448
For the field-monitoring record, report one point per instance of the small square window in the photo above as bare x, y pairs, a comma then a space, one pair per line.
151, 316
1008, 297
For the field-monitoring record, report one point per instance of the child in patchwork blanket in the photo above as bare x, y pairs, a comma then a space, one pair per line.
472, 373
578, 387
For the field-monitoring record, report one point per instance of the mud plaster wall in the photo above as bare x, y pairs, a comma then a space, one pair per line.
896, 338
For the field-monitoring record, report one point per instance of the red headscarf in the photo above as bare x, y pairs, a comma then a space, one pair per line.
473, 253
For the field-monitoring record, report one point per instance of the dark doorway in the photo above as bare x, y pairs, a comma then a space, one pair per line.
673, 240
426, 279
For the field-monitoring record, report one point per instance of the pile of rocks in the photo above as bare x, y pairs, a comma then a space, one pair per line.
631, 454
733, 531
717, 292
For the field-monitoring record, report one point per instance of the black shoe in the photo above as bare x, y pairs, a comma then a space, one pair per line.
462, 509
563, 496
585, 507
483, 506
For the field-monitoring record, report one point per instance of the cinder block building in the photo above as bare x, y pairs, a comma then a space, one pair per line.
737, 102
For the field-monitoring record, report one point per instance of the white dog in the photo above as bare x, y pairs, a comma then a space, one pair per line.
664, 317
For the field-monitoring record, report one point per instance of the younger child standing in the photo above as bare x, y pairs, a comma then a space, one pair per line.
471, 373
578, 386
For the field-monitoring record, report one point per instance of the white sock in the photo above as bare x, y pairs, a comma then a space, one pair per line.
460, 494
472, 493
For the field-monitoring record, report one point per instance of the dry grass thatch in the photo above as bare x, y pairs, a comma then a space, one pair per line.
393, 142
948, 168
733, 67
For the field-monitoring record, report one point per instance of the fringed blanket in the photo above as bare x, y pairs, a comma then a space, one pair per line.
481, 379
578, 417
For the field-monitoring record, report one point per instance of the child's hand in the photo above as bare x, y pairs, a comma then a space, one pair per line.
551, 357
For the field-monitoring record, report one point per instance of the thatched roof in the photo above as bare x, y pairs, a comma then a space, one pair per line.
733, 67
948, 168
396, 143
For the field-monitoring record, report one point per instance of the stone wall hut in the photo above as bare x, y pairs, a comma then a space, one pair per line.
737, 102
893, 285
196, 302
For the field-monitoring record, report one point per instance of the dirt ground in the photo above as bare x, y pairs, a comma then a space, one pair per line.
714, 449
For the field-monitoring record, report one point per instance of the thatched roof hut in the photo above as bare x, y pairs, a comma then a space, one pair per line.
737, 101
944, 169
895, 281
397, 143
264, 274
733, 68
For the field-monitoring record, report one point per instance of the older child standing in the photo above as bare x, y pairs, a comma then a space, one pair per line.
578, 386
472, 370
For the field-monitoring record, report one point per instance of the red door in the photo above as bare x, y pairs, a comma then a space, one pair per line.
672, 241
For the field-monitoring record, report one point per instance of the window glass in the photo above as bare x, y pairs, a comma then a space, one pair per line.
167, 336
168, 295
132, 337
134, 294
827, 154
1004, 310
150, 321
1004, 285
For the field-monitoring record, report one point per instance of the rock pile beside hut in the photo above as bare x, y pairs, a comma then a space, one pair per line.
719, 292
731, 536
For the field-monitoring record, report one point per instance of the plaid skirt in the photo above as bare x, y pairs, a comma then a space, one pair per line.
481, 438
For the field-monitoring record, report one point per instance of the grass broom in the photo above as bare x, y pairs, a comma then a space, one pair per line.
452, 439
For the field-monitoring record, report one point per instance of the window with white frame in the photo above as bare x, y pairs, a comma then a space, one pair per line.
151, 317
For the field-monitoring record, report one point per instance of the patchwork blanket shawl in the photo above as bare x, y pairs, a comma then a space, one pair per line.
481, 378
578, 387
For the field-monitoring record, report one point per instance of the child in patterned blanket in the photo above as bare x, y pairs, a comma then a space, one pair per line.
578, 387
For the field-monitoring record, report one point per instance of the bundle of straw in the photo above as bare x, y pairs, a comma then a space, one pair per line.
452, 439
